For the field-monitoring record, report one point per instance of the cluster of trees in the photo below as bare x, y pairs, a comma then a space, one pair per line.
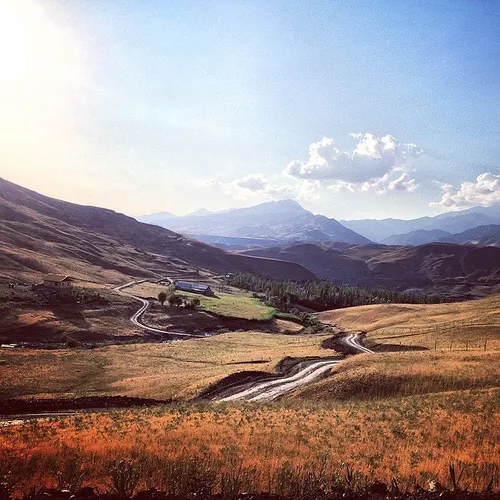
320, 295
176, 300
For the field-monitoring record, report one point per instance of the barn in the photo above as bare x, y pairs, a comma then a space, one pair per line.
200, 288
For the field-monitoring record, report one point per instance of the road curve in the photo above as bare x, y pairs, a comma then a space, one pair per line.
136, 317
353, 340
272, 389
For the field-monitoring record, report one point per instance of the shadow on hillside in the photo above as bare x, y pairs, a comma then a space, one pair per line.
73, 316
397, 348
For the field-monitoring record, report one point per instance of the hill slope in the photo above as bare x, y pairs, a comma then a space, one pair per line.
41, 235
482, 235
447, 269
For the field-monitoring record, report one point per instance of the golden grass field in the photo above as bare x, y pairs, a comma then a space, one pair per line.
237, 304
153, 370
459, 345
408, 439
453, 326
373, 376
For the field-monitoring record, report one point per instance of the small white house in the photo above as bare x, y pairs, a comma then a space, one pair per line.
58, 282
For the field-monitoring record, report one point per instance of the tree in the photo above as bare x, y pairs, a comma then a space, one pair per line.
175, 300
162, 297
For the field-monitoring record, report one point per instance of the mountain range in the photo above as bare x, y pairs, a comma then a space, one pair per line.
453, 222
279, 221
39, 234
285, 222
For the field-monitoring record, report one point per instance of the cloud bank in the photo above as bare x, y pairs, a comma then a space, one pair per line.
376, 164
484, 192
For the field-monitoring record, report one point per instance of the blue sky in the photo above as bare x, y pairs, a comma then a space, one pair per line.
356, 109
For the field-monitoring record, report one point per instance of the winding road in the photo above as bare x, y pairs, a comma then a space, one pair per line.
272, 389
263, 391
136, 317
268, 390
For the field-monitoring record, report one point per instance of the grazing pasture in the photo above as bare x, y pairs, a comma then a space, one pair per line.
236, 304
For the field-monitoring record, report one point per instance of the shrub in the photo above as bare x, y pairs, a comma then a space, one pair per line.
124, 478
175, 300
192, 303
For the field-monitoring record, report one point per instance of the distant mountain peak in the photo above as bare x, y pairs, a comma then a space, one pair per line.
201, 212
281, 206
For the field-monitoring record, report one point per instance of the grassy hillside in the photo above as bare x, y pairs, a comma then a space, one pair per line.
270, 448
24, 319
160, 371
452, 347
43, 235
372, 376
461, 325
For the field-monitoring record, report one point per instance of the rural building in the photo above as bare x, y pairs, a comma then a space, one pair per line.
184, 286
54, 284
58, 282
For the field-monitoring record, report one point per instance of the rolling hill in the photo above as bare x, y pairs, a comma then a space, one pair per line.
279, 220
39, 234
448, 269
482, 235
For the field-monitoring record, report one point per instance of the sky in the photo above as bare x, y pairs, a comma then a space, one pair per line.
356, 109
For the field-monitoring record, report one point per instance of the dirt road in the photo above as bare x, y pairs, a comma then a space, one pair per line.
272, 389
136, 318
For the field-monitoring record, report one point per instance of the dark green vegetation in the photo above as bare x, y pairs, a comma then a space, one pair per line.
445, 269
321, 295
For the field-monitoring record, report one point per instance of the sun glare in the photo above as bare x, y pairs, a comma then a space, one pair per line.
33, 49
41, 68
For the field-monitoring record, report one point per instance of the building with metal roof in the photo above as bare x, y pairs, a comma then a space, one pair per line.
201, 288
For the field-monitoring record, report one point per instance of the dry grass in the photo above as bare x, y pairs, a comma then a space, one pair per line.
461, 325
167, 370
23, 319
385, 375
403, 438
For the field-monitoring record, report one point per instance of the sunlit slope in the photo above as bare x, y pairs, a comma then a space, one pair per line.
461, 325
396, 374
160, 371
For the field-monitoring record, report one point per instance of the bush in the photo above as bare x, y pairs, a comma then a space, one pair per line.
175, 300
192, 303
73, 344
124, 478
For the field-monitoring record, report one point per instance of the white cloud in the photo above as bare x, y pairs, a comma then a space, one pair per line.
377, 164
255, 186
253, 182
484, 191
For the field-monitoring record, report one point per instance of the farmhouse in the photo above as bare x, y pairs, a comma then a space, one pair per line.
184, 286
58, 282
